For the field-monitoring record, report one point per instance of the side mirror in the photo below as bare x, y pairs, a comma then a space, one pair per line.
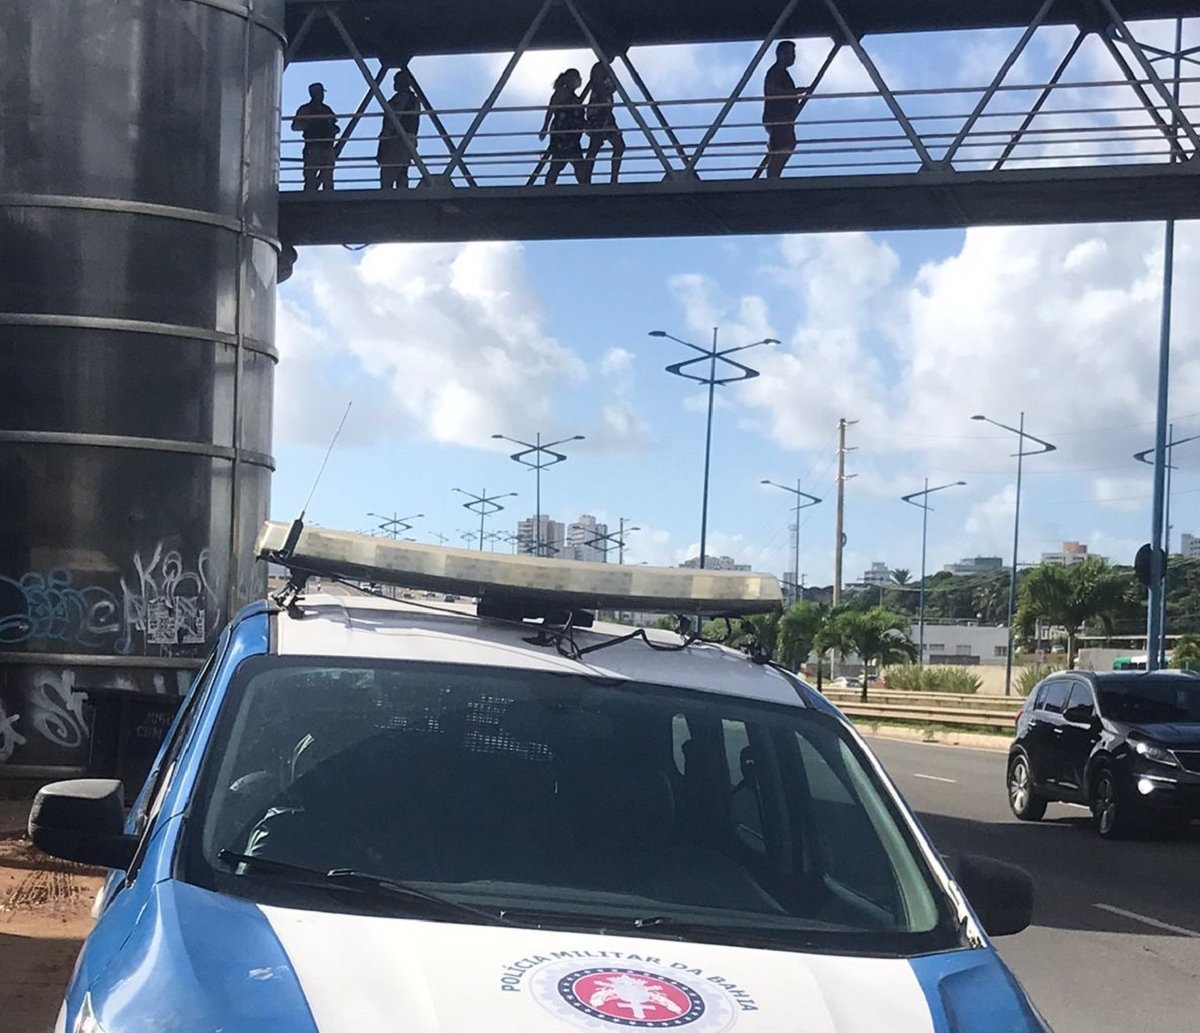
1001, 894
83, 820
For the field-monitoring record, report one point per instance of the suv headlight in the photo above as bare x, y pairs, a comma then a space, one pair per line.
1155, 753
86, 1021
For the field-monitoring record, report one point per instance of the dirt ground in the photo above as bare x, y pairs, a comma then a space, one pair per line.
44, 915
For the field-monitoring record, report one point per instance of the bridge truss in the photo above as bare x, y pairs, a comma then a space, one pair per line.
1024, 144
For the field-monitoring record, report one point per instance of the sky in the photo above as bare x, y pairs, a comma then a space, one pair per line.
440, 346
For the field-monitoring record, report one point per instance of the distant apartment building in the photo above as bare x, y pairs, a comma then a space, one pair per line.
879, 574
535, 529
1071, 553
585, 540
976, 565
1189, 546
716, 563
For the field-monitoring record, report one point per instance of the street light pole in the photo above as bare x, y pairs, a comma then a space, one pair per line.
394, 526
800, 504
485, 505
740, 372
621, 542
924, 506
1045, 447
1144, 457
537, 465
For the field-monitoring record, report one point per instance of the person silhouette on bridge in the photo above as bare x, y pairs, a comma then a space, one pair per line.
564, 122
316, 122
781, 105
601, 120
395, 154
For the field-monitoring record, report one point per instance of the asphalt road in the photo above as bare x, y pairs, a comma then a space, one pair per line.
1115, 943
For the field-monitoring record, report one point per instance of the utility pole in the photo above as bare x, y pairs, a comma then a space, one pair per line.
839, 528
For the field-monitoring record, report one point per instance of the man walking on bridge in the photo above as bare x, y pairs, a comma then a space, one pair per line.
316, 122
395, 153
781, 105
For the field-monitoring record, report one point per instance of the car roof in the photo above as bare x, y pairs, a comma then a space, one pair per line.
1134, 675
371, 628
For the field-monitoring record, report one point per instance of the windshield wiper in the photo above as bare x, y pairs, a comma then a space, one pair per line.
362, 882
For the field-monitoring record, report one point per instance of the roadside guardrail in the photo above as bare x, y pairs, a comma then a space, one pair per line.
929, 700
987, 721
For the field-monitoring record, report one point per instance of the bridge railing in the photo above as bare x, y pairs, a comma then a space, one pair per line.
967, 129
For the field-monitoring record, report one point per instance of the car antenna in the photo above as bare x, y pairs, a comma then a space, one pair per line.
298, 578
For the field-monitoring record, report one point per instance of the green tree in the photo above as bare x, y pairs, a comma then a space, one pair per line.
832, 634
798, 631
991, 599
1186, 654
901, 577
878, 636
1069, 597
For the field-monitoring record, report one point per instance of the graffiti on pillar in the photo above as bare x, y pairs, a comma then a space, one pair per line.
56, 710
10, 738
47, 713
167, 603
48, 607
164, 603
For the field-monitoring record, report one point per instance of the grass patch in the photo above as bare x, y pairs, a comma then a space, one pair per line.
911, 678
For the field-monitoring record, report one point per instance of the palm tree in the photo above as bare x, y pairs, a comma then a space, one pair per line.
1069, 597
901, 577
880, 636
991, 598
798, 631
831, 634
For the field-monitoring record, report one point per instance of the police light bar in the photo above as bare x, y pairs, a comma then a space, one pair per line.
557, 583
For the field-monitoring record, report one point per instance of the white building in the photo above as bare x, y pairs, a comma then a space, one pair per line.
716, 563
967, 644
541, 528
879, 574
1072, 552
584, 540
976, 565
1189, 547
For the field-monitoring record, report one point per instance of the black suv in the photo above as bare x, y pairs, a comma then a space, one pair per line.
1125, 744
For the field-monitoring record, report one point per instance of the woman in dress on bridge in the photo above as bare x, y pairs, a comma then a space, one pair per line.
564, 122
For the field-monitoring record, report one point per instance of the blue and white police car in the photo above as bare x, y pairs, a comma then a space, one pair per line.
373, 816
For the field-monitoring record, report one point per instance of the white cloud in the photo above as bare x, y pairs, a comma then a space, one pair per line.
451, 338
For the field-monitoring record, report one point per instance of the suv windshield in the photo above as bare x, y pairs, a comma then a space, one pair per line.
1148, 700
563, 801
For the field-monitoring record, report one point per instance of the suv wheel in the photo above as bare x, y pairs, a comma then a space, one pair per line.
1110, 812
1025, 803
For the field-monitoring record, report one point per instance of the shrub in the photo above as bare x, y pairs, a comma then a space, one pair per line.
911, 678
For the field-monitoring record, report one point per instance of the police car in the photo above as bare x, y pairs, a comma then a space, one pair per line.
373, 816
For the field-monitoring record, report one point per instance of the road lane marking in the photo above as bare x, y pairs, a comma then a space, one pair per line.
1146, 920
936, 778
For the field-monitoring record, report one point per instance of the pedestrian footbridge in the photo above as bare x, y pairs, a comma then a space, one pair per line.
1083, 111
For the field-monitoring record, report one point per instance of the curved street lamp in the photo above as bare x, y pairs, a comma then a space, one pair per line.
800, 504
924, 507
1020, 454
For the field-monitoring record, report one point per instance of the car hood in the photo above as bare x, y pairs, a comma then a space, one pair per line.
207, 961
1178, 733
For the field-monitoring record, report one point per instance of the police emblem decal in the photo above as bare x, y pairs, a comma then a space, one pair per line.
631, 998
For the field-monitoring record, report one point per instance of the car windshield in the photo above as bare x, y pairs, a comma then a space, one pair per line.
561, 801
1146, 699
